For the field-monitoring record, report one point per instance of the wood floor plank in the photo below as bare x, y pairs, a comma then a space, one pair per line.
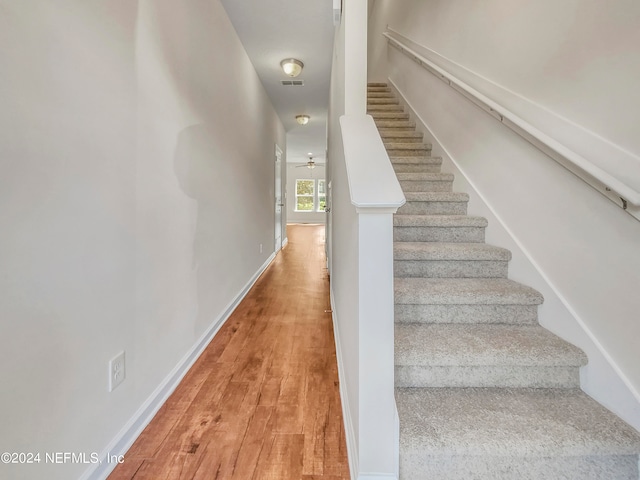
262, 402
252, 444
283, 458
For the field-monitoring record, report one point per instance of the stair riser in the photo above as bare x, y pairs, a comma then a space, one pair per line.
390, 123
382, 101
433, 208
416, 168
379, 94
399, 137
420, 466
450, 268
398, 116
426, 186
409, 152
385, 108
487, 376
439, 234
509, 314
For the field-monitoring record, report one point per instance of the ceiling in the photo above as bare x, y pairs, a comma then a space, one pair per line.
272, 30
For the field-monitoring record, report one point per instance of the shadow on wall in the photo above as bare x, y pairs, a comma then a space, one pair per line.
204, 175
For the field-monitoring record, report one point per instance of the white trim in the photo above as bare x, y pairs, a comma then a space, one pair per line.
596, 160
134, 427
526, 253
376, 476
350, 434
285, 242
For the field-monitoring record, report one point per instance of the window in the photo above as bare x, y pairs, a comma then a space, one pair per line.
305, 193
311, 195
322, 196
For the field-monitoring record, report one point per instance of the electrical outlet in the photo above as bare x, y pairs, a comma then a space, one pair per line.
116, 371
260, 248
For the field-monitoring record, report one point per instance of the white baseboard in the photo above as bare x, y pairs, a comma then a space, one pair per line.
376, 476
352, 450
132, 429
285, 242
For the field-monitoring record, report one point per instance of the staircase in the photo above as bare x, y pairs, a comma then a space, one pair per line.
483, 391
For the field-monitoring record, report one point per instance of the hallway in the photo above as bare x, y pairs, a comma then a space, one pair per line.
262, 402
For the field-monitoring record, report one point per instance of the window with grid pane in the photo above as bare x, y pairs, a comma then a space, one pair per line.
305, 195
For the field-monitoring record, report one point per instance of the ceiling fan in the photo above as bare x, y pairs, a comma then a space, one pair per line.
310, 164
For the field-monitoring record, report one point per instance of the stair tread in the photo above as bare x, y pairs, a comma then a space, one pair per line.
400, 220
388, 100
417, 177
509, 422
464, 291
482, 345
416, 160
390, 116
384, 108
392, 132
407, 145
436, 197
388, 122
449, 251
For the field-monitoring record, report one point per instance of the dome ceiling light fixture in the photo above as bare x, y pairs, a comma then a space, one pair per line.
303, 119
291, 67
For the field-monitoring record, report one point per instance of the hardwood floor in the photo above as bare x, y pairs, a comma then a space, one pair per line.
262, 402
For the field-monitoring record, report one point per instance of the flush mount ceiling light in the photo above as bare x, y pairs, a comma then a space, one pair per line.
302, 119
291, 66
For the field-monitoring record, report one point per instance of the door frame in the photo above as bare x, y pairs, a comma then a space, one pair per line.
279, 200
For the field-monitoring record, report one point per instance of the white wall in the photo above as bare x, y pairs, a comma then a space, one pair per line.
294, 173
342, 235
132, 206
569, 241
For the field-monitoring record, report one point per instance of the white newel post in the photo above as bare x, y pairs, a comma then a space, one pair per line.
378, 428
376, 195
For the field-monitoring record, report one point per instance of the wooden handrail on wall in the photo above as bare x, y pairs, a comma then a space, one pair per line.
608, 168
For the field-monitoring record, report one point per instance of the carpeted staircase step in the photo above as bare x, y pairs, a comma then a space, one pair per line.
449, 260
416, 164
380, 94
425, 182
384, 108
404, 149
464, 300
471, 355
386, 100
464, 291
393, 123
377, 85
512, 434
398, 116
434, 203
438, 228
399, 135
